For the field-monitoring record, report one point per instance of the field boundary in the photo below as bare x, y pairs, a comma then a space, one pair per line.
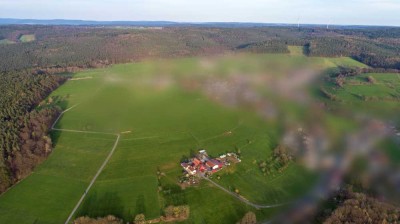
59, 116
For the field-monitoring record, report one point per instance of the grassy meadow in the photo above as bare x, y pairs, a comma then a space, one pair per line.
6, 41
296, 50
378, 98
27, 38
23, 39
49, 194
161, 122
165, 125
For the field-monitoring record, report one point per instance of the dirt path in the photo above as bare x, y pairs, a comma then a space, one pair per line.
87, 77
229, 132
103, 165
256, 206
93, 180
195, 138
78, 131
59, 116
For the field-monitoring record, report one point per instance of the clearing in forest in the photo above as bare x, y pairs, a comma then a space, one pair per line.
27, 38
296, 50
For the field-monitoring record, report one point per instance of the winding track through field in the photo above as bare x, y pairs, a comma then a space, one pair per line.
101, 167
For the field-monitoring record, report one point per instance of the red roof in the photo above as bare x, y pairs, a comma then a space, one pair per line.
196, 161
202, 167
210, 163
216, 162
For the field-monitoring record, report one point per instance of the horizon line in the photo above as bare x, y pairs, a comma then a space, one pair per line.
185, 22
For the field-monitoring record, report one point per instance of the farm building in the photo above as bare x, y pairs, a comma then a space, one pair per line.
202, 163
211, 165
202, 156
188, 168
196, 162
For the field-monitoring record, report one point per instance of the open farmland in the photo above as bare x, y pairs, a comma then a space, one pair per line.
296, 50
376, 93
27, 38
6, 41
49, 194
158, 139
160, 122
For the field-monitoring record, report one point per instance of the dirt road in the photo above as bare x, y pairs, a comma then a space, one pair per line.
257, 206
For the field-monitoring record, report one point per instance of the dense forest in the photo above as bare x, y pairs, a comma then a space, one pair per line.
349, 206
24, 136
75, 47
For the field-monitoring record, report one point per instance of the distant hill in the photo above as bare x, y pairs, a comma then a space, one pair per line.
9, 21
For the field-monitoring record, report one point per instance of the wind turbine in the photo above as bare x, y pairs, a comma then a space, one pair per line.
298, 22
329, 22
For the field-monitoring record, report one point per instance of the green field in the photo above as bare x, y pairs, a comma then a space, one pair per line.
385, 85
379, 99
165, 126
165, 122
52, 190
27, 38
296, 50
6, 41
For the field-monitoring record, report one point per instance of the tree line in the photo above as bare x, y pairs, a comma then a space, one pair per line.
24, 140
77, 47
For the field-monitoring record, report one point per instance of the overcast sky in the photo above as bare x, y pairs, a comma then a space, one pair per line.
359, 12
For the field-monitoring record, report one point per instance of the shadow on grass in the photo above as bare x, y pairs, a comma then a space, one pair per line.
140, 205
101, 205
55, 136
